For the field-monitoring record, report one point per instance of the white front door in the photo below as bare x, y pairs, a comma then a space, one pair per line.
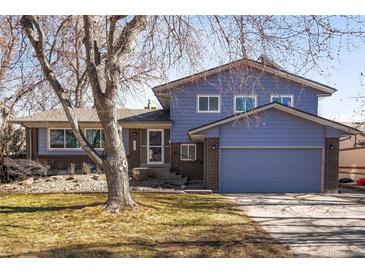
155, 146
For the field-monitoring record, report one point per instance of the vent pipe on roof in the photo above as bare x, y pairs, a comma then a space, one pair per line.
149, 105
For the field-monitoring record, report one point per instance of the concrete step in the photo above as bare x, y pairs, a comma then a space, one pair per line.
177, 182
193, 184
175, 176
198, 191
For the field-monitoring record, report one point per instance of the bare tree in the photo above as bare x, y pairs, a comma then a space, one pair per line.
16, 82
123, 53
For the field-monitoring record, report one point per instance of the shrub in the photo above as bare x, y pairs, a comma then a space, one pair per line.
19, 169
71, 169
85, 168
98, 170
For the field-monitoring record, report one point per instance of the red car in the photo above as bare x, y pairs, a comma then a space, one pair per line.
361, 181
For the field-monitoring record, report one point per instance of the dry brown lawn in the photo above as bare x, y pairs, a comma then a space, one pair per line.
166, 225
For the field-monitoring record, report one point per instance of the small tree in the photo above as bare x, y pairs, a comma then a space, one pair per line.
11, 140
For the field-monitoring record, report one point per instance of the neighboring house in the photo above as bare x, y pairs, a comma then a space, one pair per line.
245, 126
352, 154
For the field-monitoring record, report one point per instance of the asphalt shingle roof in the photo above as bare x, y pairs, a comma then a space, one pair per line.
90, 115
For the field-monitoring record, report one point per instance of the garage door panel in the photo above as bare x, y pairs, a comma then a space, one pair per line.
270, 170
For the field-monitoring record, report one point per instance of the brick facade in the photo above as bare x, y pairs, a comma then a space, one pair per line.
191, 169
134, 157
211, 166
331, 160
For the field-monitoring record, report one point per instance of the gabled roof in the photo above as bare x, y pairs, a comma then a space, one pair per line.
159, 115
263, 66
358, 125
90, 115
290, 110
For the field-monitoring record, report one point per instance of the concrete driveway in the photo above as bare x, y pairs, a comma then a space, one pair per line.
312, 225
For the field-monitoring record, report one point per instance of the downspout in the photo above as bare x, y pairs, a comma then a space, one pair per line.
346, 138
30, 145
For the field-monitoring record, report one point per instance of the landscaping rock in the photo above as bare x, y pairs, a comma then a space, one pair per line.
141, 173
28, 181
84, 183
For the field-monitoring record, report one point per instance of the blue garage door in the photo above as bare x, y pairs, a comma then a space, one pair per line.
270, 170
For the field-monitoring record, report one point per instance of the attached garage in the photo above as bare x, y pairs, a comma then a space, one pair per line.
271, 149
270, 170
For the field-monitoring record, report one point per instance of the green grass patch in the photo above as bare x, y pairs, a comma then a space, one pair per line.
166, 225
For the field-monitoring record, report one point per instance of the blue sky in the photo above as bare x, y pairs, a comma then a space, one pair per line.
345, 75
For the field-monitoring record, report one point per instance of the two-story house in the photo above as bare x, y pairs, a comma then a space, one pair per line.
245, 126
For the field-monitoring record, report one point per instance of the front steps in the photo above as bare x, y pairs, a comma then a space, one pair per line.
195, 184
163, 177
162, 173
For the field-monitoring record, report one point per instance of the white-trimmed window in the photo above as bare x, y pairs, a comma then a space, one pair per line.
287, 100
208, 103
244, 103
188, 152
95, 137
60, 138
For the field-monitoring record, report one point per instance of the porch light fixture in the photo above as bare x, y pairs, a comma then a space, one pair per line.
214, 147
331, 146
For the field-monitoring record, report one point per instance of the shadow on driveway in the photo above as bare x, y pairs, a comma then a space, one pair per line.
312, 225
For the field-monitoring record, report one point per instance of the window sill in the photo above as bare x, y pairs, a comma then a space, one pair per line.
208, 111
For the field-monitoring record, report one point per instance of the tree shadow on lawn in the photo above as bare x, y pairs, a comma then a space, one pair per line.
28, 209
183, 201
217, 240
161, 249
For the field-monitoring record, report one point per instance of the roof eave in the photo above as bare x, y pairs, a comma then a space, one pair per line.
146, 125
299, 113
317, 86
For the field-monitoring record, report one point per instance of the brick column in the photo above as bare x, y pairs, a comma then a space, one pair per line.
134, 157
331, 160
211, 163
27, 142
31, 141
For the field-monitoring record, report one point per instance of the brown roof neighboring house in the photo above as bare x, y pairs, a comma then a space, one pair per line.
352, 153
90, 116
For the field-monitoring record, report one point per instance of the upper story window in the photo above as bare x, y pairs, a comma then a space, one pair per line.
283, 99
208, 103
62, 138
244, 103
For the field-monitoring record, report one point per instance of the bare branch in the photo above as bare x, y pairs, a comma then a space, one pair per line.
37, 40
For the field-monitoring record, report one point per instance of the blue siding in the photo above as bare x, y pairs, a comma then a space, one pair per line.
212, 132
43, 146
270, 170
183, 99
271, 128
332, 133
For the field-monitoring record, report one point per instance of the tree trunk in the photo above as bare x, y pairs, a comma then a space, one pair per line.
115, 163
104, 82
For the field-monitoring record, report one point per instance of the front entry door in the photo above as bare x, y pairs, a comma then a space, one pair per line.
155, 146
